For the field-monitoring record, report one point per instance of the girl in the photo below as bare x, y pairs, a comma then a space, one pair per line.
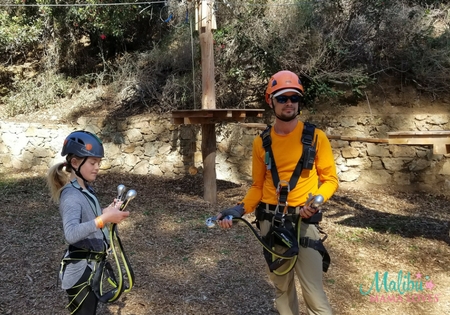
84, 222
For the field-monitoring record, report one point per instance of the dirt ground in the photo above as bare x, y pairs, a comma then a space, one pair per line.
184, 268
389, 249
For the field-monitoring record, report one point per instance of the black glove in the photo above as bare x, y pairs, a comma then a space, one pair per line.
236, 212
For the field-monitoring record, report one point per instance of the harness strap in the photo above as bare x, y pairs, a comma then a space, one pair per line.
79, 292
76, 254
103, 269
267, 212
263, 242
317, 245
79, 253
281, 233
306, 161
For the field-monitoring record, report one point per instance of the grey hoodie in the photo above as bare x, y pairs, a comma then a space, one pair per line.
79, 208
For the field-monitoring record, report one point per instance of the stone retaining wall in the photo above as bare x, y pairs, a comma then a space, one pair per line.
153, 145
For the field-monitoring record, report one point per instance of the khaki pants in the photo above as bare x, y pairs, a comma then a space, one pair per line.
308, 268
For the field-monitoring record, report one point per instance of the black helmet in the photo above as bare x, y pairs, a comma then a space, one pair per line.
83, 144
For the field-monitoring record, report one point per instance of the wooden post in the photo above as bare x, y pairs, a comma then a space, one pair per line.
206, 23
209, 162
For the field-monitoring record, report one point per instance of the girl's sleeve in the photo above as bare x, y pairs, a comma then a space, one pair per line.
71, 212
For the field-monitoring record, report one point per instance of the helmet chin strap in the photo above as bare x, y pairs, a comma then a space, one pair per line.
77, 171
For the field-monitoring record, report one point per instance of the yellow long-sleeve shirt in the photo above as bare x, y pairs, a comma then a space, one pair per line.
287, 150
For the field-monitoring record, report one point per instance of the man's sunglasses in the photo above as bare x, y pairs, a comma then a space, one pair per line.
284, 98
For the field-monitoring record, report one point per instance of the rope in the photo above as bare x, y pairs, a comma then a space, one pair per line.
120, 262
267, 247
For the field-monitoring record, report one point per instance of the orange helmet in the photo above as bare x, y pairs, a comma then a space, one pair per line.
283, 80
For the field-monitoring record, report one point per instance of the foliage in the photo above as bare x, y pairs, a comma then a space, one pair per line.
19, 32
43, 92
150, 55
89, 32
336, 46
160, 79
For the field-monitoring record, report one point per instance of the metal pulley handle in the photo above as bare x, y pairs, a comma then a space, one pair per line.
211, 221
125, 198
314, 201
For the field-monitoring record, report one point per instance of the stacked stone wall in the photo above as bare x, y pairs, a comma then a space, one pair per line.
150, 144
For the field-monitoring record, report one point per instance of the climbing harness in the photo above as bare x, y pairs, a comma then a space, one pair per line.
284, 219
289, 240
105, 285
104, 275
283, 216
102, 280
73, 255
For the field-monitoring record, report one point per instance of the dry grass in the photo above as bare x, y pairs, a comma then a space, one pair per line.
182, 267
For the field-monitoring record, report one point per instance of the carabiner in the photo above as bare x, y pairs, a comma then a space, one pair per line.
280, 186
283, 190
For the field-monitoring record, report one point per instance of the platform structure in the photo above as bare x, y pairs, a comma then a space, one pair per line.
207, 118
213, 116
209, 115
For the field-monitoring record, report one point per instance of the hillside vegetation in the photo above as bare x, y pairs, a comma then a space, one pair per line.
146, 56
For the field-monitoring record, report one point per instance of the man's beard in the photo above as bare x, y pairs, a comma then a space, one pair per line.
286, 118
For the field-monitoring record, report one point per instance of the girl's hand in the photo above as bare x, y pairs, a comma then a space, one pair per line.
116, 203
113, 214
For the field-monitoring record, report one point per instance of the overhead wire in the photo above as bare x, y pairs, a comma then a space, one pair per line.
139, 3
77, 4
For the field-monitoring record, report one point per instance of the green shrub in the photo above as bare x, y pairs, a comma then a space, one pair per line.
338, 47
19, 33
44, 91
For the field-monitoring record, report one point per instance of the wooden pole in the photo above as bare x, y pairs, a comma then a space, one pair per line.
209, 163
207, 55
205, 26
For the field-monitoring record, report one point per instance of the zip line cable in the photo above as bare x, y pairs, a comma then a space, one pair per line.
226, 3
79, 4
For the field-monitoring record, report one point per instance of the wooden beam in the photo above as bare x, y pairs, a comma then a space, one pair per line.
419, 141
206, 121
360, 139
434, 133
439, 139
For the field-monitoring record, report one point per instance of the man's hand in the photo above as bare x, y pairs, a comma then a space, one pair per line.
306, 211
311, 206
236, 212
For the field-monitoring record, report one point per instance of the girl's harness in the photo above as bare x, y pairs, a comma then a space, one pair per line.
102, 274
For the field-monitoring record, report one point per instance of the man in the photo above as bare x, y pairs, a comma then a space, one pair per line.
279, 193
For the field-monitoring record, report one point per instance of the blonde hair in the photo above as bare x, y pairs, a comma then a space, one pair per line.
58, 176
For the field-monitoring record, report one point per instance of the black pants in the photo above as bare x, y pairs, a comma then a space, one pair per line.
88, 306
